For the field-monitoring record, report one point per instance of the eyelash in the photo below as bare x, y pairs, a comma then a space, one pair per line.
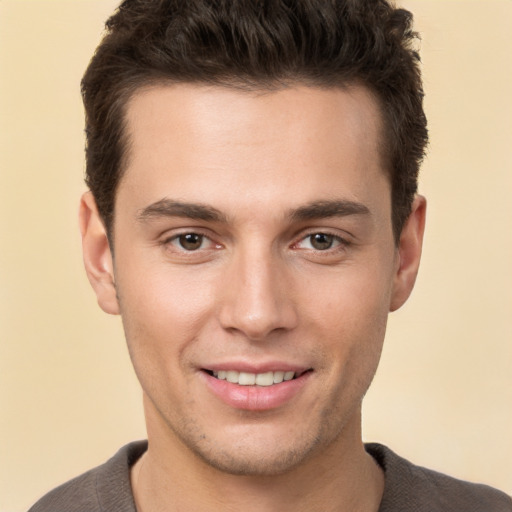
340, 243
176, 239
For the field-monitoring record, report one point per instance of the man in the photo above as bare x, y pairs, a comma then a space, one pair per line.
253, 218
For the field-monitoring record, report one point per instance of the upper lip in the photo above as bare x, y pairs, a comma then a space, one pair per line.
244, 366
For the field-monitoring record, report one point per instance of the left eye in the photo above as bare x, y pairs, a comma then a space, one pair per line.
319, 242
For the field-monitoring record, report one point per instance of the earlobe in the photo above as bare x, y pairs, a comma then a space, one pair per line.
409, 253
97, 255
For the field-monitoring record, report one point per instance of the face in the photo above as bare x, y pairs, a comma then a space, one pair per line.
254, 268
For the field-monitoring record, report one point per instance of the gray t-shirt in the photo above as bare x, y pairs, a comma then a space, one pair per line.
408, 488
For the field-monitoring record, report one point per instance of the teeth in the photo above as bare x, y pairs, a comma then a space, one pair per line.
246, 379
251, 379
278, 377
265, 379
232, 376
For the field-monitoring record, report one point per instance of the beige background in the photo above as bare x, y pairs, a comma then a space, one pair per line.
68, 397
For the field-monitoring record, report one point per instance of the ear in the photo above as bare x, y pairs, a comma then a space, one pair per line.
409, 253
97, 255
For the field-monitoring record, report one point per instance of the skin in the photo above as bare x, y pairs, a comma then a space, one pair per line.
273, 169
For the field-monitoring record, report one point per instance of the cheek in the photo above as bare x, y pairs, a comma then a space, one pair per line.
355, 347
158, 294
355, 297
163, 313
349, 313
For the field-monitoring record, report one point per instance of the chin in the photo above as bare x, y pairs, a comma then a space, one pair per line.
255, 454
262, 465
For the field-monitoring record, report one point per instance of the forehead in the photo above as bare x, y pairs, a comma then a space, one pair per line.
292, 146
231, 111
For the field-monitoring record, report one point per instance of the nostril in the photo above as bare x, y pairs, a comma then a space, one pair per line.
257, 306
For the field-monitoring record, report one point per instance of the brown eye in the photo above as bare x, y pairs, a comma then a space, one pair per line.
321, 241
190, 241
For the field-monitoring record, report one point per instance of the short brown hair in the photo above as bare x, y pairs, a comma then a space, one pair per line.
256, 44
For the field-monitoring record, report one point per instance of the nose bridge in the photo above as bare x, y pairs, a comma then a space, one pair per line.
258, 300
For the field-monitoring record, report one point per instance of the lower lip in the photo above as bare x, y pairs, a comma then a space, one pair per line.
255, 398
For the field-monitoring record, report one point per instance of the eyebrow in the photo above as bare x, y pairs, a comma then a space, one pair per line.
325, 209
314, 210
170, 208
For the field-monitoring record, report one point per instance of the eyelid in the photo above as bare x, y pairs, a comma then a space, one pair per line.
343, 240
175, 232
169, 237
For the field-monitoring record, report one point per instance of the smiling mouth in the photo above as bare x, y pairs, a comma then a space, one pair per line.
255, 379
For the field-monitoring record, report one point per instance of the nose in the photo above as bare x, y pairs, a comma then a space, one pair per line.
257, 296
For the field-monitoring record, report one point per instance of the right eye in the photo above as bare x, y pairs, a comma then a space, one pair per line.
189, 241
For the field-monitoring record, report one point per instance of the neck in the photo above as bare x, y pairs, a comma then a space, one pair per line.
169, 477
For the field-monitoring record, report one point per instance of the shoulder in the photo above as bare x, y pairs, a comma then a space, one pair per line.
103, 489
410, 487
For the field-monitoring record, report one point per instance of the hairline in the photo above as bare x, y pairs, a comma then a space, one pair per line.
237, 83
